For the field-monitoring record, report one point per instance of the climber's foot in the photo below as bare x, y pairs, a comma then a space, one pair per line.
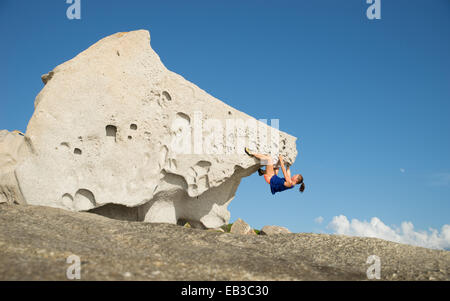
261, 171
247, 151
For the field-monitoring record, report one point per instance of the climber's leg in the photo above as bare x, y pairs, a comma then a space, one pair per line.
269, 171
265, 160
267, 178
258, 156
269, 167
276, 169
263, 172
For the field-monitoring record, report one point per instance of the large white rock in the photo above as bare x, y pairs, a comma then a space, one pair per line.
13, 148
116, 133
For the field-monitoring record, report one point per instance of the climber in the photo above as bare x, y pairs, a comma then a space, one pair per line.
276, 183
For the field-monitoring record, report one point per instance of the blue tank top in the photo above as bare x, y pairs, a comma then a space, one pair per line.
277, 184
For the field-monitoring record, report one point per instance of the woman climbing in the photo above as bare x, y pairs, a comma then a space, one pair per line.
276, 183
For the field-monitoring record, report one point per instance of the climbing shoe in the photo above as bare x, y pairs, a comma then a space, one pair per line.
247, 151
261, 172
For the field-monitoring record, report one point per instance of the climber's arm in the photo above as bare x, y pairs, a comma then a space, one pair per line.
288, 171
288, 182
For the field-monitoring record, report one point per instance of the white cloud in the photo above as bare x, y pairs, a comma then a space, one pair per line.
318, 220
403, 234
402, 170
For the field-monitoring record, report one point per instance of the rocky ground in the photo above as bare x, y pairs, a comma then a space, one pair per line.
36, 241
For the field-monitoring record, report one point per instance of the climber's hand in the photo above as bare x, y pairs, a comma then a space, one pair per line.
281, 158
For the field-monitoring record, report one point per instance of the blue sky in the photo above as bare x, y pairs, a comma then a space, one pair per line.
369, 100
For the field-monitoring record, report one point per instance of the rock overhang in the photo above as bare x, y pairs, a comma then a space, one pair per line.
114, 127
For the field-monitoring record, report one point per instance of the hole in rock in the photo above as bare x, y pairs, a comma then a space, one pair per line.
204, 164
129, 137
166, 95
84, 200
184, 116
65, 145
111, 131
67, 200
77, 151
133, 126
175, 180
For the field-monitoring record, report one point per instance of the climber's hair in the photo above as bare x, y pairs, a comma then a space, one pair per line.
302, 185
